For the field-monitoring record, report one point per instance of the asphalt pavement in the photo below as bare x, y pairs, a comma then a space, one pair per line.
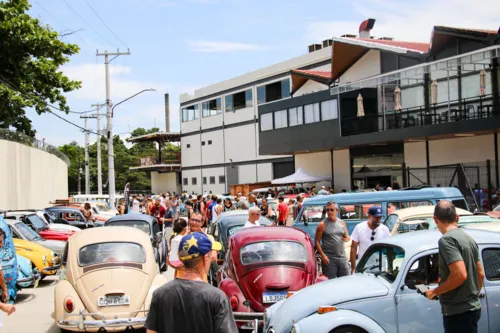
35, 309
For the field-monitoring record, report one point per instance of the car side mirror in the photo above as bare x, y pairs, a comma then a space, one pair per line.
411, 284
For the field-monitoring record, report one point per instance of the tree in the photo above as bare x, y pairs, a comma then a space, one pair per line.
30, 57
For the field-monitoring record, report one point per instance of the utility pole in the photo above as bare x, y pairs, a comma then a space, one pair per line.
87, 171
99, 166
109, 120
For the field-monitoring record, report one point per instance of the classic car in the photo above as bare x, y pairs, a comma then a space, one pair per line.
429, 223
73, 215
107, 282
262, 266
101, 217
36, 223
381, 297
8, 261
27, 276
150, 226
54, 224
396, 217
20, 231
490, 226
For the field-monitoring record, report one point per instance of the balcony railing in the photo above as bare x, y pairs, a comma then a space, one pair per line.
465, 109
6, 134
166, 159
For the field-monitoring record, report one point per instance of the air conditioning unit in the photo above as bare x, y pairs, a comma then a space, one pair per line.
348, 36
327, 42
314, 47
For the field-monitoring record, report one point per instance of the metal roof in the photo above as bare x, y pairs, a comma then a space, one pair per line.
158, 137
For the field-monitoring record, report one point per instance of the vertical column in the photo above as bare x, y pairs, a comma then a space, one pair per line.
427, 162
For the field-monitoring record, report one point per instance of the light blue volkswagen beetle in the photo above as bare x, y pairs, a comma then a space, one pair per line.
381, 296
27, 276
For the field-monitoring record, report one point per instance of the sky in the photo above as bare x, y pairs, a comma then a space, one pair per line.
178, 46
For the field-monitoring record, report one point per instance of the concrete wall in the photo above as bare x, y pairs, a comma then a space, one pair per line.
310, 87
414, 153
461, 150
30, 177
367, 66
316, 164
164, 182
341, 170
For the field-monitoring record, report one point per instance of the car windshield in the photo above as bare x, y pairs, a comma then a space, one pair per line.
111, 253
36, 221
141, 225
282, 251
26, 232
317, 213
382, 260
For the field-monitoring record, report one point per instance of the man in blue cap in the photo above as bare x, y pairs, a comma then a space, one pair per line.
366, 233
188, 303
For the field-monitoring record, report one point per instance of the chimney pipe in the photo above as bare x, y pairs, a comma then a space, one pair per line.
167, 113
365, 27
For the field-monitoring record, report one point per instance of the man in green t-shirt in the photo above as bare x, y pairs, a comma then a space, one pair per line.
461, 273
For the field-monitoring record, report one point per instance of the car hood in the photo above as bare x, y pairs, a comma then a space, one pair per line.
63, 227
332, 292
32, 246
54, 245
131, 282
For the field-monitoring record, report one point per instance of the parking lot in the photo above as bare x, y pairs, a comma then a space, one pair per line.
35, 309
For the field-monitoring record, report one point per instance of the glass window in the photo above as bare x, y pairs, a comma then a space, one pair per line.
391, 221
240, 100
212, 107
273, 91
266, 122
204, 180
393, 206
311, 113
491, 262
190, 113
460, 204
280, 120
36, 221
285, 88
295, 116
212, 179
141, 225
193, 181
184, 181
355, 211
261, 94
248, 98
26, 232
329, 110
110, 253
383, 260
280, 251
222, 179
228, 103
424, 270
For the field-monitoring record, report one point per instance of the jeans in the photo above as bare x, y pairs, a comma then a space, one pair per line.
462, 323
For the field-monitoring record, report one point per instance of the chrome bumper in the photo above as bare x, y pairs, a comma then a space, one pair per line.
250, 320
30, 280
51, 269
83, 324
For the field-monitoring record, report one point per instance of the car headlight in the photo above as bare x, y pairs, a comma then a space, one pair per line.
44, 258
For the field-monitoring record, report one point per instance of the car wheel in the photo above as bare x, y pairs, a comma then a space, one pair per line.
348, 329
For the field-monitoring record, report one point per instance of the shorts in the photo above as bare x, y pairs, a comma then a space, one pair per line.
462, 323
336, 268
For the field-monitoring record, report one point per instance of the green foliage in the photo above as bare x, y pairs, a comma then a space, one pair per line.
124, 159
30, 57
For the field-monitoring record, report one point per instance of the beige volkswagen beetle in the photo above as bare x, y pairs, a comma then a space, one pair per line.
107, 282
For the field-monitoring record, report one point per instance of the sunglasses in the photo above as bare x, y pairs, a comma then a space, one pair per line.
373, 235
330, 209
195, 220
255, 213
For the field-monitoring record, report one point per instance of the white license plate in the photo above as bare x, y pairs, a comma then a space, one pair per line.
273, 297
113, 300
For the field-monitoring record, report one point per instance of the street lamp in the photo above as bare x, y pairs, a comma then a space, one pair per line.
111, 157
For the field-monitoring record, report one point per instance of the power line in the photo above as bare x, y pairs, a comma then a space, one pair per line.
72, 123
96, 14
83, 20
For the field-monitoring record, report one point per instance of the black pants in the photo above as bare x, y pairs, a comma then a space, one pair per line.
462, 323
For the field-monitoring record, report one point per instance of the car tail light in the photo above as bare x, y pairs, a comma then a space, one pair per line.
234, 302
69, 306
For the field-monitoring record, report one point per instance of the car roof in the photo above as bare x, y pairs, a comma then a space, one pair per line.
64, 208
12, 221
416, 242
430, 193
423, 210
256, 234
108, 235
227, 220
491, 226
132, 217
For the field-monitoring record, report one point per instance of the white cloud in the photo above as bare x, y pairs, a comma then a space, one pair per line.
411, 21
218, 46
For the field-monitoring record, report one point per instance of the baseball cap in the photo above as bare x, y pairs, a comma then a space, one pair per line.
197, 244
375, 211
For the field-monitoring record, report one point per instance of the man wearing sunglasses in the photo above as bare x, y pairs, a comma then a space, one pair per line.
253, 217
366, 233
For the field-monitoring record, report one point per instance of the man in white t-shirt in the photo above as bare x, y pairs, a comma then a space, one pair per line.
253, 217
135, 205
366, 233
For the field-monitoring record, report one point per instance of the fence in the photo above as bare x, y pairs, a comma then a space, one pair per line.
477, 181
6, 134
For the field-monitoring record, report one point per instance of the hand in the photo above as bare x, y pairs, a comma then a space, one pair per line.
325, 260
346, 238
5, 296
9, 309
430, 294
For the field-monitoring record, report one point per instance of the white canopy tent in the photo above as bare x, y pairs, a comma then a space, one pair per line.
299, 177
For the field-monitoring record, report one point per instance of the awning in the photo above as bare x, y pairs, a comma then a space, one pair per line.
300, 77
299, 177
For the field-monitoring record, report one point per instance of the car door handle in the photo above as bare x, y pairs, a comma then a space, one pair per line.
481, 295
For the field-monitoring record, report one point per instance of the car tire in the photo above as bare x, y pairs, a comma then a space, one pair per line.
348, 329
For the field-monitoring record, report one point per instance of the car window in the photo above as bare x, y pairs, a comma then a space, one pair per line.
393, 206
491, 262
26, 232
36, 221
313, 214
356, 211
141, 225
460, 204
52, 214
391, 221
111, 253
424, 270
156, 227
231, 231
13, 233
282, 251
382, 260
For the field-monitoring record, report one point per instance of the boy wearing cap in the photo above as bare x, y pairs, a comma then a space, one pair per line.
366, 233
188, 303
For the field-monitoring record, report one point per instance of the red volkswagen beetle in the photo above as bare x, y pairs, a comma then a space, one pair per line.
262, 266
38, 225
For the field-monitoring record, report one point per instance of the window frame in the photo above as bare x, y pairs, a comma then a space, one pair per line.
223, 178
204, 181
279, 114
263, 90
194, 181
212, 180
265, 116
299, 110
335, 111
247, 97
489, 248
207, 110
187, 112
318, 104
